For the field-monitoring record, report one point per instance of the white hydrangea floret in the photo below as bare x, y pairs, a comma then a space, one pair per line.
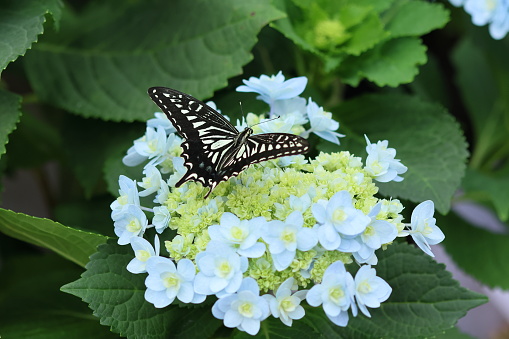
132, 223
128, 195
244, 309
165, 282
285, 238
335, 293
381, 162
242, 235
221, 270
423, 229
377, 233
161, 218
339, 223
322, 123
161, 120
143, 250
370, 290
151, 182
285, 305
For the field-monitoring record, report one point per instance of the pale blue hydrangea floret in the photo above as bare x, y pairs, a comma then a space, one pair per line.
381, 162
285, 305
295, 107
274, 88
285, 238
377, 233
165, 282
143, 251
370, 290
128, 195
282, 125
335, 293
161, 219
151, 182
322, 123
339, 223
492, 12
132, 223
241, 235
423, 229
220, 270
153, 145
244, 309
161, 120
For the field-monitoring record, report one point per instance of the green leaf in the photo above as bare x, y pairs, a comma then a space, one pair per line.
21, 21
416, 18
427, 140
194, 46
70, 243
479, 252
38, 138
425, 300
488, 187
117, 298
32, 306
389, 64
10, 108
91, 142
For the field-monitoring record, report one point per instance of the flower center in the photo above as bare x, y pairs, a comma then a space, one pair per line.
122, 200
134, 226
369, 231
224, 269
338, 216
171, 280
246, 309
142, 255
336, 294
287, 305
288, 236
376, 168
237, 233
364, 287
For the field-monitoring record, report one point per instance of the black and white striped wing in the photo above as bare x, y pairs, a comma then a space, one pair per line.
213, 149
262, 147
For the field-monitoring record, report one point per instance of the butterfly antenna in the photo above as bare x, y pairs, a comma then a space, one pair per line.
262, 122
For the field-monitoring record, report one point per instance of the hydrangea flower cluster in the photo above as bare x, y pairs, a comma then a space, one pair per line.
492, 12
280, 233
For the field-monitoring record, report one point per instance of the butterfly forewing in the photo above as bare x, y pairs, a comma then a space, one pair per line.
213, 149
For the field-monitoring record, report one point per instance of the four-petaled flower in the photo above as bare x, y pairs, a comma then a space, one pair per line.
143, 251
285, 305
244, 309
285, 238
381, 163
336, 293
132, 223
370, 290
165, 282
423, 229
220, 268
241, 235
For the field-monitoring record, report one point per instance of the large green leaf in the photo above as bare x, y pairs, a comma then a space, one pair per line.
105, 70
70, 243
479, 252
32, 306
21, 21
10, 108
427, 140
117, 298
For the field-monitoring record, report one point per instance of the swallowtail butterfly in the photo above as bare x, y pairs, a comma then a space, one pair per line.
213, 149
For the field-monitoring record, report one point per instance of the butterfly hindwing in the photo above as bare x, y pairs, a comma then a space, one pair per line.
213, 149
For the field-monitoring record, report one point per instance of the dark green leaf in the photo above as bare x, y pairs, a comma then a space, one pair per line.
479, 252
117, 297
105, 70
427, 140
10, 108
32, 305
70, 243
21, 21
